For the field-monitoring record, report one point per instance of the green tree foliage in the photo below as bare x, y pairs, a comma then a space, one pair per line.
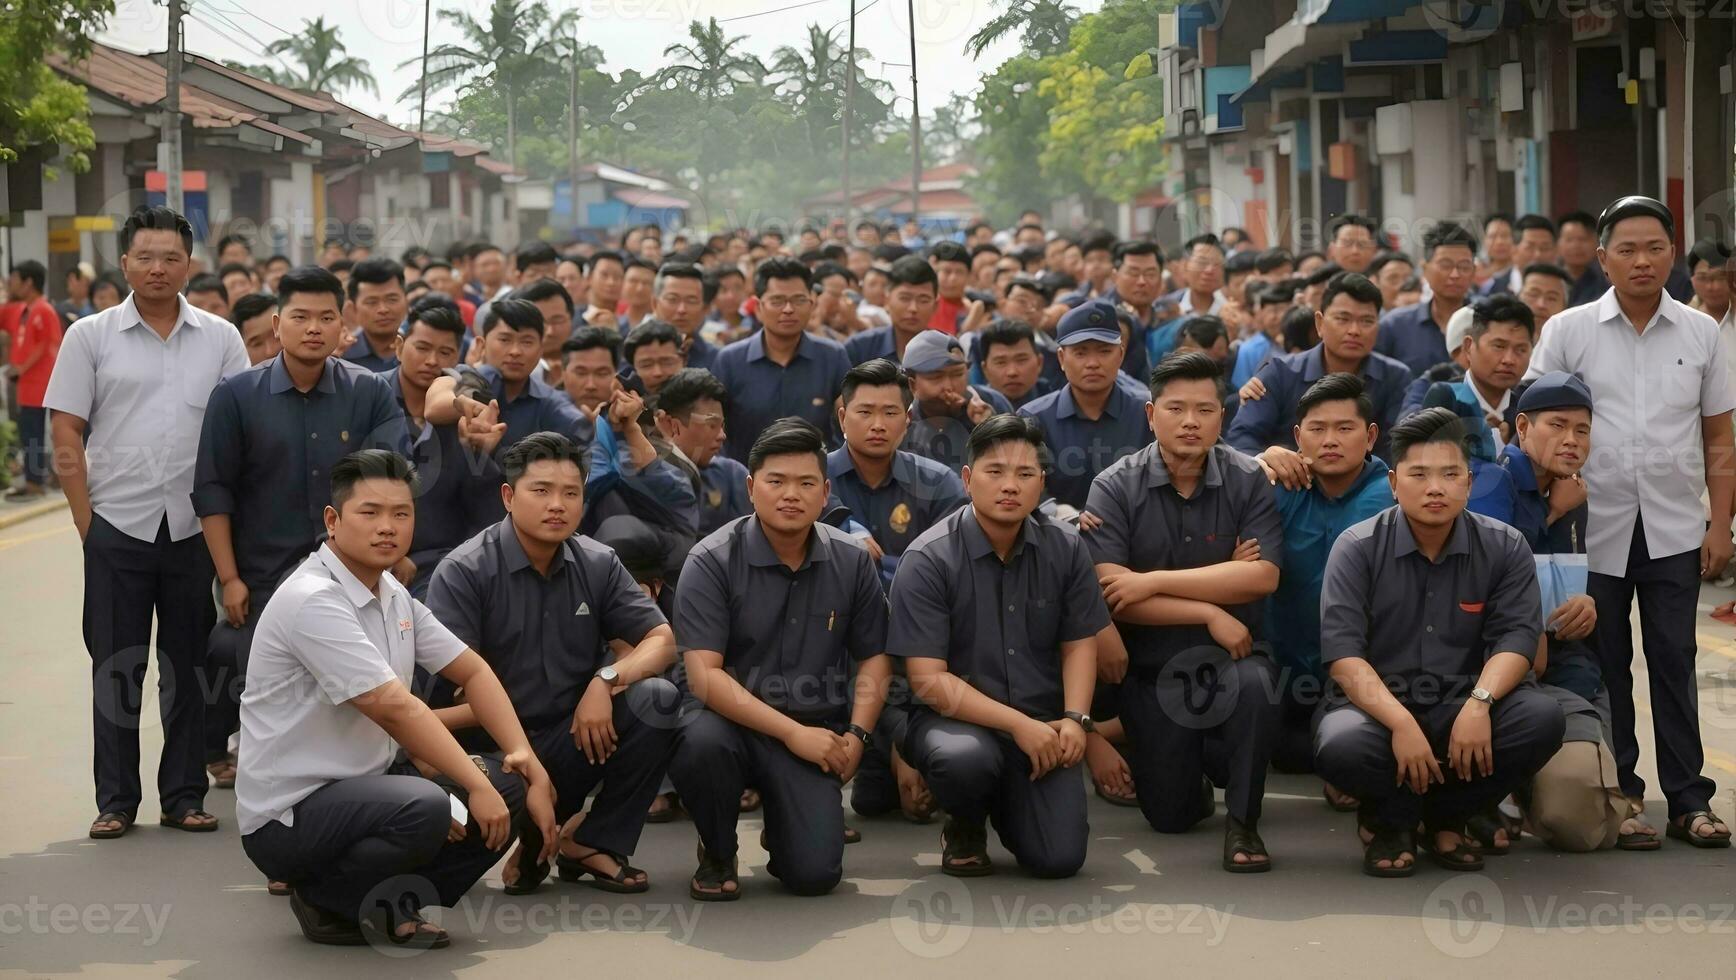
1043, 25
37, 106
1107, 120
314, 61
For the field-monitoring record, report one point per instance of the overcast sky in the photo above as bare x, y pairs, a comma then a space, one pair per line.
631, 33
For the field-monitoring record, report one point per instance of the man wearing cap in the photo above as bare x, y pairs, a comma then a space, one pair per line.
1656, 371
945, 405
1092, 421
1497, 351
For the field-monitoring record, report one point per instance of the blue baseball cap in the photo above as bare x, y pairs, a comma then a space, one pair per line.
1557, 389
1095, 320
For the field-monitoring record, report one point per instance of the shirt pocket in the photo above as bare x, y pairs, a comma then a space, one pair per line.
1681, 384
1464, 627
200, 372
1042, 626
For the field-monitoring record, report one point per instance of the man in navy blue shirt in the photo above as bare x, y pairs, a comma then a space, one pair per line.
945, 406
512, 351
680, 297
1093, 421
1006, 353
782, 370
1577, 251
1348, 320
377, 307
1416, 334
912, 289
690, 415
1138, 285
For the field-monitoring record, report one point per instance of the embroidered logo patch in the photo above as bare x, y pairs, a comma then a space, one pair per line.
583, 610
900, 519
1471, 607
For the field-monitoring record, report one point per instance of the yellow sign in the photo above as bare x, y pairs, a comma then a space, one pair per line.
900, 519
63, 241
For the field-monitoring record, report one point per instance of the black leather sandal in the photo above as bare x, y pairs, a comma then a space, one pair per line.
1242, 839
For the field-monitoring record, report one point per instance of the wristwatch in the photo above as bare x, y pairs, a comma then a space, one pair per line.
1084, 720
860, 732
608, 675
1482, 694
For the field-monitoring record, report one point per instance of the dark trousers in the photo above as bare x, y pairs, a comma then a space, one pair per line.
375, 843
1669, 593
874, 791
224, 672
125, 581
1301, 693
715, 759
1200, 715
645, 719
33, 432
1353, 752
977, 774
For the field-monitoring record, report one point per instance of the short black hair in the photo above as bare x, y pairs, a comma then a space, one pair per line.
1184, 365
232, 239
247, 307
652, 331
714, 278
278, 257
1003, 428
1297, 329
1427, 426
35, 273
781, 267
517, 314
1028, 224
1533, 222
1035, 285
1237, 263
477, 248
223, 272
1205, 330
608, 256
1547, 269
534, 253
948, 252
1582, 218
1102, 241
204, 282
632, 262
306, 279
1207, 238
1272, 259
369, 464
826, 270
688, 386
1447, 234
438, 312
1351, 221
457, 251
433, 264
986, 248
1008, 332
1709, 251
1336, 387
889, 252
590, 338
414, 256
156, 218
543, 447
912, 270
1323, 274
538, 290
1353, 284
578, 260
683, 270
1501, 308
1124, 249
375, 272
1500, 216
788, 436
1385, 259
874, 373
342, 265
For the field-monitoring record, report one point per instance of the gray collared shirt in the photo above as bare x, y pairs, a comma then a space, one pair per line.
1148, 524
789, 637
1428, 627
998, 625
544, 636
143, 399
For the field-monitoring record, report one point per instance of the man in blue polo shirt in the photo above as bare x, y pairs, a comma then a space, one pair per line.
1347, 320
690, 415
512, 340
377, 307
912, 289
1416, 334
1093, 421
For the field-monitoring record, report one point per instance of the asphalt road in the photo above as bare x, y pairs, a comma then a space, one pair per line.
164, 903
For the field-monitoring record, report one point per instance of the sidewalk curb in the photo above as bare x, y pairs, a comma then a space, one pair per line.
31, 512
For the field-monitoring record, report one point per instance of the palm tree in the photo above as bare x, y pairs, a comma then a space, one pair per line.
1046, 25
326, 66
814, 77
710, 65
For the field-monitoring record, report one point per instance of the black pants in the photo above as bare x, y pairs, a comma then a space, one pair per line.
1669, 593
33, 431
373, 842
224, 672
715, 759
1200, 715
1301, 694
977, 774
125, 581
874, 791
1353, 752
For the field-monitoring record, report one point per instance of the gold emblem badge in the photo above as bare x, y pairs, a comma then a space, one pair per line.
714, 498
900, 519
344, 436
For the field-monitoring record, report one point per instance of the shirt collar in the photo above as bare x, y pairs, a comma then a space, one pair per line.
1157, 474
761, 555
354, 590
756, 346
281, 381
977, 544
1066, 407
1518, 466
1609, 310
1483, 403
839, 462
1457, 541
131, 317
512, 553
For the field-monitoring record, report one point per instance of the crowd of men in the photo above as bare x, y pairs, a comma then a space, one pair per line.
479, 549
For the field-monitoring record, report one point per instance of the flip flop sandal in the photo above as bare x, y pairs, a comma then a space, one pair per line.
750, 800
1338, 805
1682, 829
1462, 858
222, 774
714, 875
278, 889
852, 835
1389, 846
669, 814
180, 822
621, 883
1240, 839
432, 937
960, 844
531, 873
320, 926
126, 824
1639, 840
1115, 800
1480, 830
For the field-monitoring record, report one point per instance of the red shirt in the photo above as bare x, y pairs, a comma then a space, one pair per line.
39, 330
947, 313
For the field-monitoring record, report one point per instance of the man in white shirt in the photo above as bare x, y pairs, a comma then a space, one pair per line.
1663, 399
128, 398
1710, 270
364, 837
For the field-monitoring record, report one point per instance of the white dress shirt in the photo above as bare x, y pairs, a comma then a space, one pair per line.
1499, 411
143, 399
1727, 337
322, 640
1649, 391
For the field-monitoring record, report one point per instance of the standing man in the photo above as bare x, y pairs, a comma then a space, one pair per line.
128, 397
1578, 254
378, 307
784, 622
1497, 252
556, 306
1138, 285
637, 278
681, 299
1544, 290
1709, 270
1416, 334
1661, 391
254, 316
607, 270
1205, 274
1352, 242
35, 328
1006, 695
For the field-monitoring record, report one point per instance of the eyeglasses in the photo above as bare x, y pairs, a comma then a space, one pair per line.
1450, 268
1143, 275
795, 302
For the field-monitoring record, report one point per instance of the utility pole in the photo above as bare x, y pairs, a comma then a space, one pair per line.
915, 126
422, 85
849, 113
171, 162
573, 138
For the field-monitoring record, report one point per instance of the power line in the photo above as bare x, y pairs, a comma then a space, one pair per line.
237, 9
778, 10
260, 50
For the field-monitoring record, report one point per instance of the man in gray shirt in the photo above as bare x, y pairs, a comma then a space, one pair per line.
1429, 618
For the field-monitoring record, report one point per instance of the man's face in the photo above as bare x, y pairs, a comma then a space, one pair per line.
731, 291
1139, 279
1186, 417
155, 265
1578, 244
1390, 277
1712, 285
1498, 242
589, 377
1012, 369
911, 306
1352, 248
1205, 269
334, 252
1348, 328
868, 235
1500, 356
874, 288
557, 324
572, 280
606, 284
1638, 257
380, 308
954, 277
1097, 265
1029, 236
682, 303
1431, 483
982, 270
1218, 351
212, 301
273, 272
1534, 245
651, 250
537, 270
656, 363
440, 280
260, 339
941, 392
784, 306
1558, 440
1336, 437
239, 284
702, 433
874, 420
859, 261
547, 501
490, 269
1005, 483
1022, 303
1546, 295
376, 523
235, 252
309, 326
1450, 272
425, 352
512, 352
809, 240
1055, 255
1090, 365
788, 492
636, 287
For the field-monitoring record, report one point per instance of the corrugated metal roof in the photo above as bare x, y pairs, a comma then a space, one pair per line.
139, 80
